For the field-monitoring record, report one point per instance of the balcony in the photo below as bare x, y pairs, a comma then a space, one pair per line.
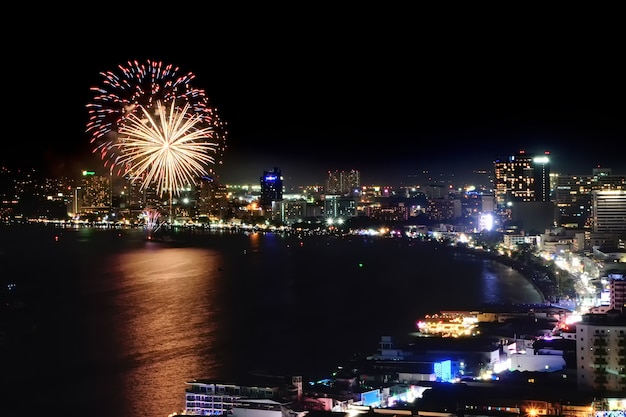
600, 361
601, 379
600, 352
600, 342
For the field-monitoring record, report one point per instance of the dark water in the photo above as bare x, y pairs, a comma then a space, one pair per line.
113, 325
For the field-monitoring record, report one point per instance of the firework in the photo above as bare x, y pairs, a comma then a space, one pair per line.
152, 220
169, 147
130, 94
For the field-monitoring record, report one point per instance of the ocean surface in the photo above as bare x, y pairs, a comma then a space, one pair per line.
107, 324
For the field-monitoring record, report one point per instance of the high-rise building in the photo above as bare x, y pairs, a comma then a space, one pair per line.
96, 191
212, 199
601, 352
271, 188
343, 182
573, 194
609, 211
541, 178
291, 211
339, 207
522, 177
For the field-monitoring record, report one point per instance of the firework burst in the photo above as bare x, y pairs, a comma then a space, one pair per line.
152, 221
170, 147
132, 93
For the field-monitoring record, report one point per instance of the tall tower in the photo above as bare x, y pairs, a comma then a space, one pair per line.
271, 188
521, 177
541, 177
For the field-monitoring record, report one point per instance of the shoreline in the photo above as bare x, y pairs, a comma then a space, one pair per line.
528, 271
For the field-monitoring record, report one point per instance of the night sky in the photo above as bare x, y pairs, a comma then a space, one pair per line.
388, 92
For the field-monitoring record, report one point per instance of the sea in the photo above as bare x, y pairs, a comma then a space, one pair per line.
106, 323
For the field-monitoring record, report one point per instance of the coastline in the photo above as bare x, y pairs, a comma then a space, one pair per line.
545, 288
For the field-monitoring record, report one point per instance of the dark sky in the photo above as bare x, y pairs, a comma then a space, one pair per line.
387, 92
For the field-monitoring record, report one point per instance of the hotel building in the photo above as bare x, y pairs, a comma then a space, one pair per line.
210, 398
522, 177
601, 352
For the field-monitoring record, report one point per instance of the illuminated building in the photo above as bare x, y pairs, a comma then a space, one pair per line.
601, 346
609, 211
208, 398
339, 208
573, 194
212, 199
541, 177
440, 209
448, 325
522, 192
294, 211
271, 188
96, 192
342, 182
522, 177
514, 240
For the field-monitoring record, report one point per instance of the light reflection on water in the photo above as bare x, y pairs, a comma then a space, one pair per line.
127, 322
164, 298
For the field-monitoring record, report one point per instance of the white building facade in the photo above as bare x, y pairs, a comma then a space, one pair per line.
601, 352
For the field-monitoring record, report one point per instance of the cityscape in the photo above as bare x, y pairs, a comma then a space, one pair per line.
313, 213
572, 224
520, 193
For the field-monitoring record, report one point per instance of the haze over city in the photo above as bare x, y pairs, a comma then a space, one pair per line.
336, 92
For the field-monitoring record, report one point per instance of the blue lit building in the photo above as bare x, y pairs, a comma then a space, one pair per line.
271, 188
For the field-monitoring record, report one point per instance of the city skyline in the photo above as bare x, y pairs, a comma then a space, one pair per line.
390, 104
